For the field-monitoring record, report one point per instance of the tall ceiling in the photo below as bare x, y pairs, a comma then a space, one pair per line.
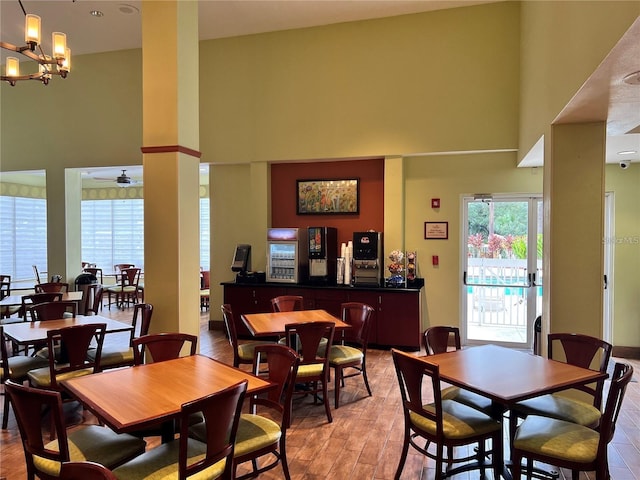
119, 28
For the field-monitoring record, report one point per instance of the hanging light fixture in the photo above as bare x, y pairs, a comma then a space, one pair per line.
58, 63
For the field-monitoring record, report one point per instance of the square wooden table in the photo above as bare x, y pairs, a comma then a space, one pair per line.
273, 324
135, 398
28, 333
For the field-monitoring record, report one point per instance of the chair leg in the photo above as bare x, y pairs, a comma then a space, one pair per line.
338, 381
5, 413
325, 397
366, 379
516, 468
403, 455
283, 458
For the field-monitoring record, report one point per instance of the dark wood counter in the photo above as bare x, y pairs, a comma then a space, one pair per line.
397, 311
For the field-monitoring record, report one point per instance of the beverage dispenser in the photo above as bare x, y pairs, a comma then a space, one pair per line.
368, 263
287, 255
323, 255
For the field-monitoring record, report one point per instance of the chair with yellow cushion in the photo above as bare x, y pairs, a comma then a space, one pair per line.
314, 361
569, 445
49, 287
185, 457
287, 303
439, 339
242, 352
85, 471
444, 423
5, 291
260, 435
351, 352
582, 351
160, 347
127, 289
44, 458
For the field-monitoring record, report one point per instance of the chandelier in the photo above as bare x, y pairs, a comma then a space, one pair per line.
58, 63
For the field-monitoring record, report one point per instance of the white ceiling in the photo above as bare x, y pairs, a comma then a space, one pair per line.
120, 28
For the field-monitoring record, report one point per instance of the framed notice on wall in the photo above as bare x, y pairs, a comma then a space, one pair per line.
436, 230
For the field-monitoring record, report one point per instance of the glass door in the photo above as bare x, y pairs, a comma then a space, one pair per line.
502, 269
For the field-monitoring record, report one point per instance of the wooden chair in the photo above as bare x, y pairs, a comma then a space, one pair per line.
243, 353
160, 347
204, 289
287, 303
30, 300
353, 355
119, 267
53, 310
92, 443
569, 445
51, 287
258, 435
36, 274
314, 367
127, 289
444, 423
116, 356
185, 456
93, 303
15, 368
5, 291
439, 339
582, 351
85, 471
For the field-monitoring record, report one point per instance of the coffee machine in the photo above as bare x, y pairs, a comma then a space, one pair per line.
368, 263
323, 255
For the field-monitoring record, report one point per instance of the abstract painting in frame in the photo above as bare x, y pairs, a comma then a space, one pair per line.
328, 197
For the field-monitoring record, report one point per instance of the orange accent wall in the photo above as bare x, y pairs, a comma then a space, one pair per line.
283, 195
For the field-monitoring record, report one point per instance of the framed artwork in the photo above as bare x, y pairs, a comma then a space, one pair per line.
436, 230
328, 197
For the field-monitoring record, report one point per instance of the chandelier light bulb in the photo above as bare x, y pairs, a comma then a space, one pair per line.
32, 29
12, 67
59, 41
66, 63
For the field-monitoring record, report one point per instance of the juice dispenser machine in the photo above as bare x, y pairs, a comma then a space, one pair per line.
367, 262
323, 255
287, 255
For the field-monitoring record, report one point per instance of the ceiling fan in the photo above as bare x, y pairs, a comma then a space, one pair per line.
122, 180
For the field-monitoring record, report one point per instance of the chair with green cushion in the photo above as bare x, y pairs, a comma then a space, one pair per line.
569, 445
15, 368
582, 351
438, 339
314, 361
116, 356
44, 458
287, 303
159, 347
260, 435
127, 289
353, 353
242, 352
444, 423
52, 310
186, 456
50, 287
85, 471
5, 291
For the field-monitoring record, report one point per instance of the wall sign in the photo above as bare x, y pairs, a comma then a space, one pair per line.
436, 230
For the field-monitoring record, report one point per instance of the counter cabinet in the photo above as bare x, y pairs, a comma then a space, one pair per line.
396, 319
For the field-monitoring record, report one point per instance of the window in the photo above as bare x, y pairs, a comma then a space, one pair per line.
113, 232
23, 233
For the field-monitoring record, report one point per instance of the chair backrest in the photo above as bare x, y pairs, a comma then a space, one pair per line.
230, 327
53, 310
159, 347
206, 279
437, 339
144, 311
309, 334
97, 272
72, 345
410, 371
130, 277
581, 351
35, 298
92, 297
28, 404
287, 303
221, 412
4, 357
358, 315
282, 364
5, 286
118, 267
85, 471
621, 377
537, 331
36, 274
51, 287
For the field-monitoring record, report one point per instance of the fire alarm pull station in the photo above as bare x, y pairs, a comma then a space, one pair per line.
435, 203
435, 260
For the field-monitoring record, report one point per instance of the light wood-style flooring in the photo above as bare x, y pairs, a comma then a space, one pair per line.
365, 439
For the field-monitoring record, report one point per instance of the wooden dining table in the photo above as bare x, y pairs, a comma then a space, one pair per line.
28, 333
135, 398
507, 376
16, 300
273, 323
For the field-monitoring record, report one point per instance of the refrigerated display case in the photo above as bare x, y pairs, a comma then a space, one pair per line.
287, 260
